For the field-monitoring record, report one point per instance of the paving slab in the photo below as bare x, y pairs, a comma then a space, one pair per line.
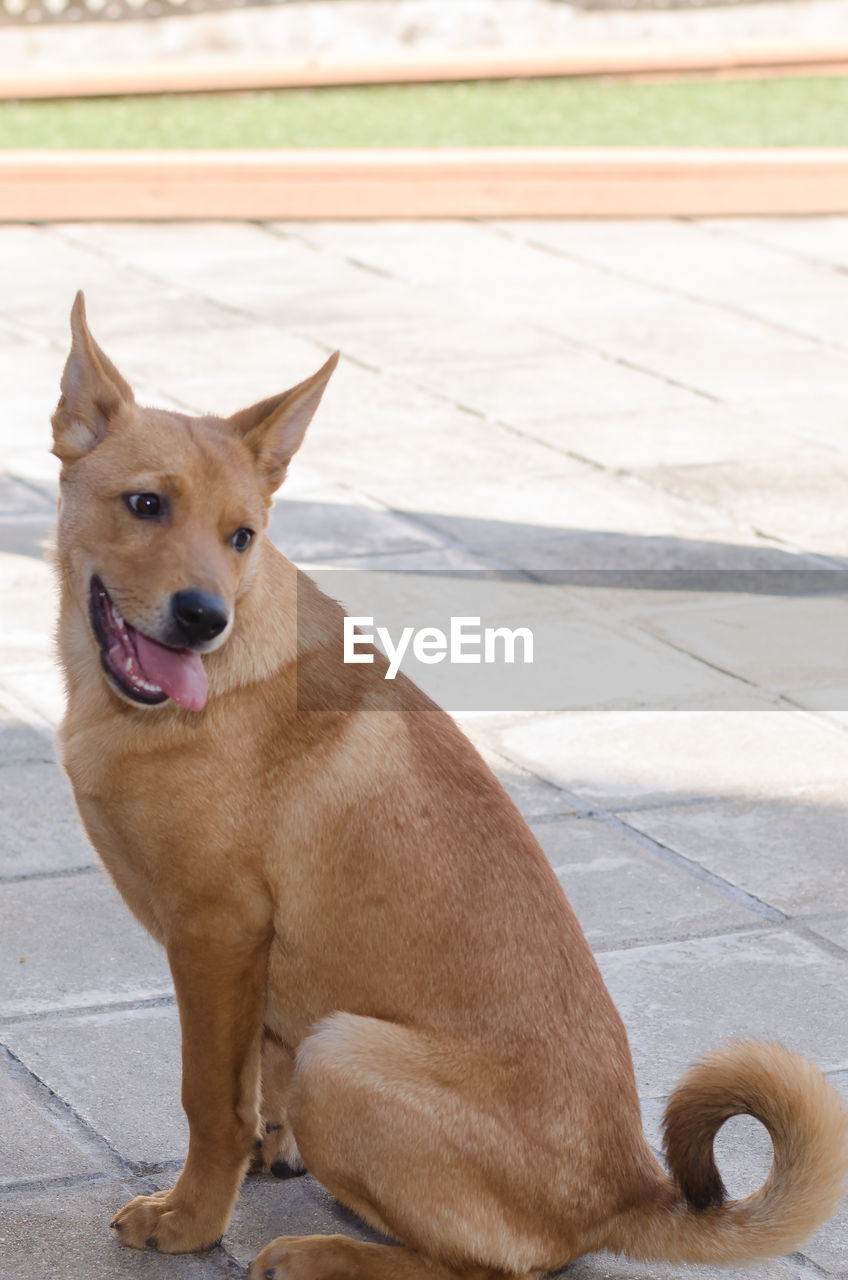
604, 1267
39, 690
331, 522
120, 1073
67, 941
22, 741
619, 759
33, 1144
679, 999
225, 367
447, 559
650, 419
29, 587
54, 271
41, 828
65, 1232
794, 501
782, 643
591, 519
770, 619
687, 258
377, 428
832, 927
572, 659
533, 293
829, 1246
819, 239
566, 556
790, 851
245, 270
533, 796
27, 517
619, 397
624, 895
269, 1207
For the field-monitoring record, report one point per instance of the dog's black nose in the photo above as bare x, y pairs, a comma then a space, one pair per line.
198, 616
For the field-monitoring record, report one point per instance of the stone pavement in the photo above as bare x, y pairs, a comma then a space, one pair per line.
546, 397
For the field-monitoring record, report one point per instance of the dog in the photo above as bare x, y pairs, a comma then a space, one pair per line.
378, 975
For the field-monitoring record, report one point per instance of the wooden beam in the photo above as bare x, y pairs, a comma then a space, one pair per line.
480, 182
660, 62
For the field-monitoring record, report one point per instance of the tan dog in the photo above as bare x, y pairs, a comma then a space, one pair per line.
375, 966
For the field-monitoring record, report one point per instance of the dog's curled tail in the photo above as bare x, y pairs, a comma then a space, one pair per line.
690, 1220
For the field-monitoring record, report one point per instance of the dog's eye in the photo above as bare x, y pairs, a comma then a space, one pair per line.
241, 539
144, 505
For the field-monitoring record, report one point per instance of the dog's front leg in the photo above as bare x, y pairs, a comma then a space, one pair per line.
220, 984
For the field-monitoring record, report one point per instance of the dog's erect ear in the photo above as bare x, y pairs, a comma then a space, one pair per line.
92, 392
274, 429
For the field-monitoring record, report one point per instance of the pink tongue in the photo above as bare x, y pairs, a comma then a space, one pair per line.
178, 672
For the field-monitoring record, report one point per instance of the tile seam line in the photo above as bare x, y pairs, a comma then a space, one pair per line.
682, 938
36, 489
586, 809
25, 759
616, 273
804, 1260
57, 873
146, 273
803, 929
666, 854
745, 237
70, 1013
634, 366
485, 225
197, 295
757, 906
543, 329
599, 353
272, 228
325, 348
26, 1186
55, 1105
695, 657
303, 335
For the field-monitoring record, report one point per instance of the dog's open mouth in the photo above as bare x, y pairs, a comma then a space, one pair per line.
143, 669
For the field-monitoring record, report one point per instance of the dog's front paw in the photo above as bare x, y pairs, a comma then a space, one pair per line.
158, 1222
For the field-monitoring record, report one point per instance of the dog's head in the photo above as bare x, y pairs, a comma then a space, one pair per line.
161, 517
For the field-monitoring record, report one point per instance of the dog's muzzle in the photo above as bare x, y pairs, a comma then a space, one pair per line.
145, 670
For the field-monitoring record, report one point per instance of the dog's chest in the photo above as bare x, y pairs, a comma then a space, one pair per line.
166, 809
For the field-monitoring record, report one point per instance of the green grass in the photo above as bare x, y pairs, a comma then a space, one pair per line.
809, 111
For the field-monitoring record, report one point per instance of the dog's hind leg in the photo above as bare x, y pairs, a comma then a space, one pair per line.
340, 1258
276, 1150
389, 1120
